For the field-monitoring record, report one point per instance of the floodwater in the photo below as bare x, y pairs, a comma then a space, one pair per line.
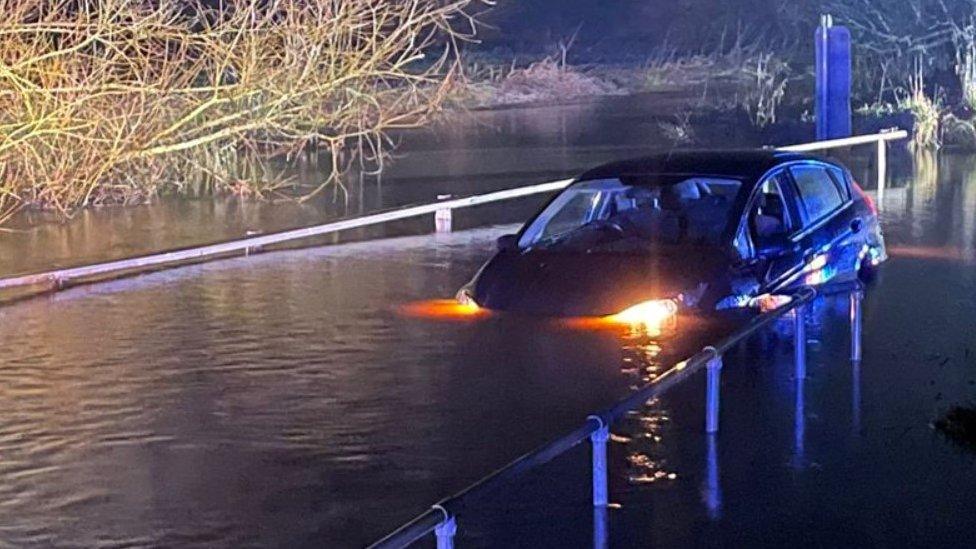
287, 400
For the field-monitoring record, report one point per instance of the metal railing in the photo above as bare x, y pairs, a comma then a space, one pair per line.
441, 518
57, 279
881, 158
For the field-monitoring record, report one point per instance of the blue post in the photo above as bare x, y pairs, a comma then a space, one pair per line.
712, 390
601, 527
712, 493
833, 68
856, 396
800, 342
856, 298
799, 426
800, 357
599, 440
445, 533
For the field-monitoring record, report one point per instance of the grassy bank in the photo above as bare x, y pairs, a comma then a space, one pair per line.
740, 77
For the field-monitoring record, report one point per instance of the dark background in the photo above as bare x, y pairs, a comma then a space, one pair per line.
625, 29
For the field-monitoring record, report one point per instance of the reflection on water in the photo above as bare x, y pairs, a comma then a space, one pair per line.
443, 309
642, 431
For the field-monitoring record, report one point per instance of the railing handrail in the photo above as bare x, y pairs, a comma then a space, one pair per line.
425, 523
61, 277
257, 242
893, 134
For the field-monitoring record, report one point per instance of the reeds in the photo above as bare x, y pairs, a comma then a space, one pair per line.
111, 100
926, 111
747, 70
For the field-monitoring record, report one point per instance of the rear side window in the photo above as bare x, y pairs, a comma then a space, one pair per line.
842, 181
819, 193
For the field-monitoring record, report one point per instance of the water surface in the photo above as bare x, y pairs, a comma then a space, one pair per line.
282, 399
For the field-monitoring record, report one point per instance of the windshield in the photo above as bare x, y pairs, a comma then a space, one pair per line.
621, 214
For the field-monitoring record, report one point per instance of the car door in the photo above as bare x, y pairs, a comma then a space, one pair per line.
825, 211
767, 258
778, 257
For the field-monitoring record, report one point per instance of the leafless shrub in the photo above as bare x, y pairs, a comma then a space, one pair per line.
762, 99
892, 36
107, 101
679, 131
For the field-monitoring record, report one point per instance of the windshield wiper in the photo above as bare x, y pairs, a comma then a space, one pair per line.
556, 240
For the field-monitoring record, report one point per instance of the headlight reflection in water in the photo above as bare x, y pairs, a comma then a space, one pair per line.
642, 431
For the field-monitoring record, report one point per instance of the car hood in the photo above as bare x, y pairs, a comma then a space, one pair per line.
574, 284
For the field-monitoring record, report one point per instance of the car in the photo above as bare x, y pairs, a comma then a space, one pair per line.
646, 239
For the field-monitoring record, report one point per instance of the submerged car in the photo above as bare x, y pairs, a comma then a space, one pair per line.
649, 238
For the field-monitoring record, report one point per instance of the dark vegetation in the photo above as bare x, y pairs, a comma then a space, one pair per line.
115, 101
916, 57
959, 426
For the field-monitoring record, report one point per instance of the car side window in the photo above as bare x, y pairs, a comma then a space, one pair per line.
842, 179
819, 192
768, 217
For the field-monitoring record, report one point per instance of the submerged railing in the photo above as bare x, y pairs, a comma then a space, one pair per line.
441, 518
442, 210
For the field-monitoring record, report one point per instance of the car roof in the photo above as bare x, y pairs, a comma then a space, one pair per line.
748, 165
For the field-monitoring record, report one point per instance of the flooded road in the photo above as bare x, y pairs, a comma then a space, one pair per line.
285, 399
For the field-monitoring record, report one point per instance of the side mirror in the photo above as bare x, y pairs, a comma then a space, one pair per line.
775, 246
507, 242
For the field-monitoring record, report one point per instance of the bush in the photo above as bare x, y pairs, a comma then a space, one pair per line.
109, 101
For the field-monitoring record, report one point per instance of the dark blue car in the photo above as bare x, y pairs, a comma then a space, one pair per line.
647, 238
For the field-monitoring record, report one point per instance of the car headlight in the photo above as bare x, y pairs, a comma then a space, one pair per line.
653, 315
466, 298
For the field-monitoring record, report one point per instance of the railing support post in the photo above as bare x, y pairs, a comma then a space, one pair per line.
882, 163
856, 298
445, 532
443, 218
713, 488
599, 440
601, 527
800, 341
712, 393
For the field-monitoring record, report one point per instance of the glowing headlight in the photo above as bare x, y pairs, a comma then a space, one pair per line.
465, 298
650, 314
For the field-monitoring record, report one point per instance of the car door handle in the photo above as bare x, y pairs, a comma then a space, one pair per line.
856, 225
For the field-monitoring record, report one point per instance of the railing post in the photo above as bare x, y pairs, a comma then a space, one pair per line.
601, 527
800, 341
713, 489
445, 532
443, 218
712, 392
882, 163
599, 440
856, 298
